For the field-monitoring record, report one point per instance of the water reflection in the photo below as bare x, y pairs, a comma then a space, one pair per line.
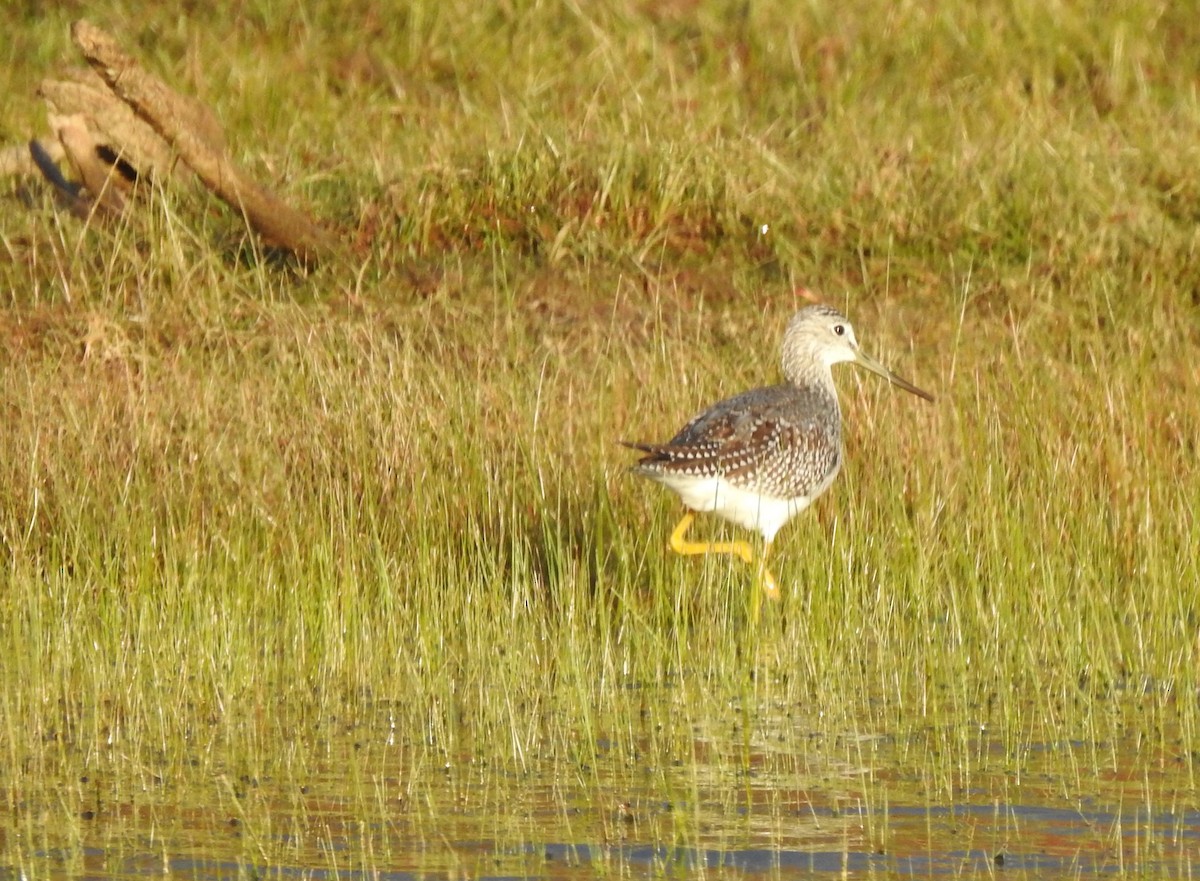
779, 804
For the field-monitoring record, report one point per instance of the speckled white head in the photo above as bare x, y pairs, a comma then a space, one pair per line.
818, 337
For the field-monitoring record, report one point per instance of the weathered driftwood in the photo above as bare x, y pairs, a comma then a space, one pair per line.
103, 180
121, 137
190, 131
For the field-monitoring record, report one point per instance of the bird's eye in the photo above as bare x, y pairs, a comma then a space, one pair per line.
839, 329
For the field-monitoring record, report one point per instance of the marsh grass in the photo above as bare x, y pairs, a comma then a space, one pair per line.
245, 512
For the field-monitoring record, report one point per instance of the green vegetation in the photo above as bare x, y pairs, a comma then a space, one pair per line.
245, 511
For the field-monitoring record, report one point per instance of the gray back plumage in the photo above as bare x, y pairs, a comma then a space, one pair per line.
783, 441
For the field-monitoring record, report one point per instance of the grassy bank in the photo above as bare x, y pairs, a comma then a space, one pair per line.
238, 502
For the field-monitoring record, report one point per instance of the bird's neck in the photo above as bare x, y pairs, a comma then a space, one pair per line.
816, 378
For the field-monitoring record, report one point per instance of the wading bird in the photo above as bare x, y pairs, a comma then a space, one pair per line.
761, 457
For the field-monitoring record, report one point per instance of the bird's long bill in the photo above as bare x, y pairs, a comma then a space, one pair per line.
875, 367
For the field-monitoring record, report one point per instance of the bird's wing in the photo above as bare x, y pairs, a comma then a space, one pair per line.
750, 442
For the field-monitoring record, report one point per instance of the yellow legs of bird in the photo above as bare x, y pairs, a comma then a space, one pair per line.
742, 549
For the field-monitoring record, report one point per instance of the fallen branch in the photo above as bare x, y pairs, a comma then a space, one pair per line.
103, 180
120, 136
187, 127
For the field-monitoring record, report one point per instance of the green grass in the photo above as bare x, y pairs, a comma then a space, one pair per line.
238, 502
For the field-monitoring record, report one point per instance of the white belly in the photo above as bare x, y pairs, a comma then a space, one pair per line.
749, 509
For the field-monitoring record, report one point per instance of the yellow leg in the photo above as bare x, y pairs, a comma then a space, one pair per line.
681, 545
769, 585
765, 580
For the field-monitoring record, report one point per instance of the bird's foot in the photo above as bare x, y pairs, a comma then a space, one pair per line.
770, 586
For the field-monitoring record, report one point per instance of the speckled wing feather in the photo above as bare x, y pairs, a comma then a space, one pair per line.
783, 440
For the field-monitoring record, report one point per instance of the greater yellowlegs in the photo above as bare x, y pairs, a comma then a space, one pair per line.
760, 458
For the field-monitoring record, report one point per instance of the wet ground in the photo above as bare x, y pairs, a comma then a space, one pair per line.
782, 803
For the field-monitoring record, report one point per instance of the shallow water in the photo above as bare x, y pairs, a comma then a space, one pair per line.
782, 803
